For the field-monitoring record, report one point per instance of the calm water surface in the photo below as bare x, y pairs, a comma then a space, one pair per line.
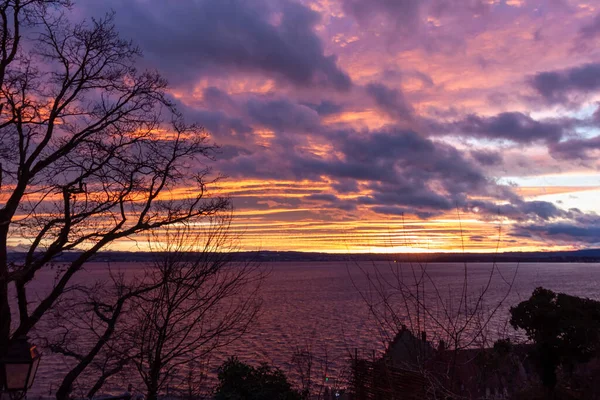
319, 306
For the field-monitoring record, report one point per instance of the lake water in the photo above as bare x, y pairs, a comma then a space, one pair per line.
323, 307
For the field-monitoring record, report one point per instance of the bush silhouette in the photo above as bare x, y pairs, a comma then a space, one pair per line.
238, 381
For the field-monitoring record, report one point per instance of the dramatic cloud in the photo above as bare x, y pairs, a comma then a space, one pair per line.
487, 157
185, 38
583, 149
409, 14
391, 101
564, 232
367, 113
282, 115
227, 116
513, 126
332, 201
326, 107
556, 86
400, 169
221, 125
520, 210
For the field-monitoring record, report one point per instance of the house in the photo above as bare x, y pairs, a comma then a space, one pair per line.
412, 368
409, 351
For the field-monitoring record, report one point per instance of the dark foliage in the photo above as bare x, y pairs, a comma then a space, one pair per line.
238, 381
503, 346
565, 329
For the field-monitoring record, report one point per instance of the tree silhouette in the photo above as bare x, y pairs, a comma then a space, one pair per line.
192, 299
565, 329
90, 151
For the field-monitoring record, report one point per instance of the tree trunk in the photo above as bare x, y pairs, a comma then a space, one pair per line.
64, 392
152, 393
153, 379
5, 317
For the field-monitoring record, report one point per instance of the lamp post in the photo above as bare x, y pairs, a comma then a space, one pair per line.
18, 367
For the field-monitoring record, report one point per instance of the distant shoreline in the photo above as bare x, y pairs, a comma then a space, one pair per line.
580, 256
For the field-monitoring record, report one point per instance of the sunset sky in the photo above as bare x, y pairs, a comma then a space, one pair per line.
389, 125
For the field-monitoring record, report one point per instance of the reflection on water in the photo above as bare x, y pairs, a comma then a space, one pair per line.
317, 305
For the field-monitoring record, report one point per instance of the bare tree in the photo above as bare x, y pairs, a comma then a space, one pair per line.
201, 301
87, 326
190, 301
90, 150
312, 369
407, 301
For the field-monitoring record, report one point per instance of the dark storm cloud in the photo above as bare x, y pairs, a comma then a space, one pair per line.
513, 126
556, 86
185, 38
576, 148
391, 101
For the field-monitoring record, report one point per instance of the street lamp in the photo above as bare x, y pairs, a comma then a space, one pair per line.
18, 367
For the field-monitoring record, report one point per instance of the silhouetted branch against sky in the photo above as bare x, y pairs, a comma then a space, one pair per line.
92, 150
336, 122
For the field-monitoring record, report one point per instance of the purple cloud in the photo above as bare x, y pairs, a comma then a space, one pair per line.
487, 157
576, 148
391, 101
405, 12
556, 86
564, 232
514, 126
188, 38
592, 29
